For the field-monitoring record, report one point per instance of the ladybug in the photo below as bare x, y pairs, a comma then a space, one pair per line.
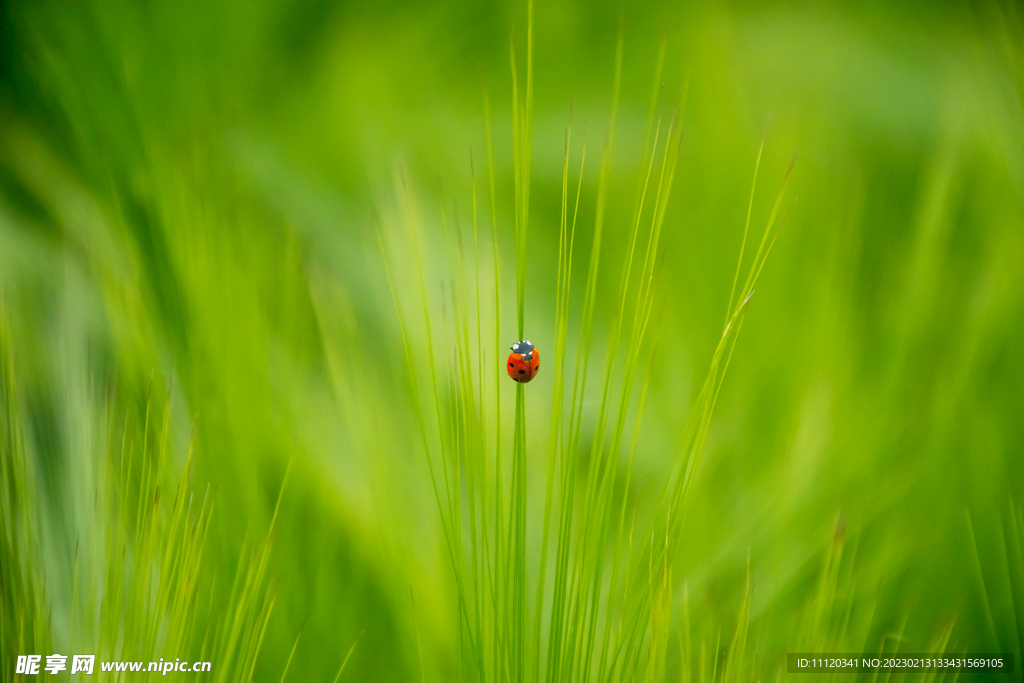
523, 362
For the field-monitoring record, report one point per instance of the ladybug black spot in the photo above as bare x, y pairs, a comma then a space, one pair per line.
510, 364
522, 372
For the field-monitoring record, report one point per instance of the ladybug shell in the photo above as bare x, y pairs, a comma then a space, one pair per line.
522, 370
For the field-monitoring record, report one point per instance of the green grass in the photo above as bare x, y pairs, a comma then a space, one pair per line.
260, 266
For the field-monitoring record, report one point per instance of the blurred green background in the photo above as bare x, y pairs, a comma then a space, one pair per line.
190, 198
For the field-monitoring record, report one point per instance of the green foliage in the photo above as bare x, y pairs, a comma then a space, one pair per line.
260, 263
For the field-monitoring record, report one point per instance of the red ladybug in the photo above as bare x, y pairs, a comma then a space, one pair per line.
523, 362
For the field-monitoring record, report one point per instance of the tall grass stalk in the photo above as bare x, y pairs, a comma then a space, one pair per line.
25, 624
141, 585
598, 602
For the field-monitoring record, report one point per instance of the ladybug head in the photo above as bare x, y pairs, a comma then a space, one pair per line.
522, 347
